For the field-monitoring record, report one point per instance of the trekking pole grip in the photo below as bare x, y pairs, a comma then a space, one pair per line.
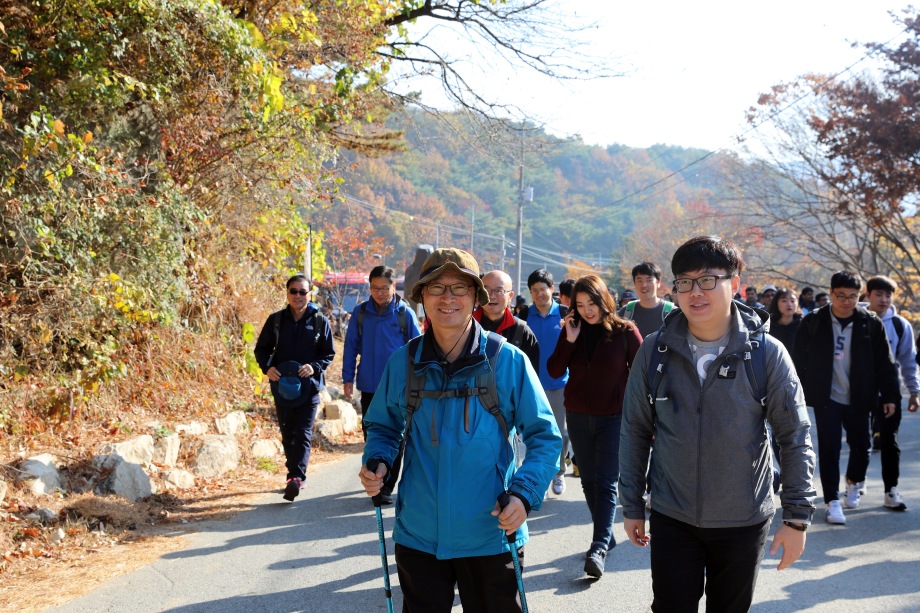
372, 466
503, 500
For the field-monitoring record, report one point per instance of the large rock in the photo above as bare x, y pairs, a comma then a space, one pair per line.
266, 448
231, 423
329, 430
324, 397
192, 429
125, 479
333, 391
137, 450
344, 411
180, 479
41, 474
218, 454
166, 451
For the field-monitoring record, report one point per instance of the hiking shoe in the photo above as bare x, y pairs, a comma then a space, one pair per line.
876, 441
292, 489
575, 472
834, 513
558, 485
894, 501
851, 499
862, 488
594, 564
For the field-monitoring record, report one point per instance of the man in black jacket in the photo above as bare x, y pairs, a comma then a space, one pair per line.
497, 316
842, 356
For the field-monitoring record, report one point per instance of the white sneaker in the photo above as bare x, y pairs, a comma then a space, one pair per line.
834, 513
851, 500
894, 501
558, 485
863, 490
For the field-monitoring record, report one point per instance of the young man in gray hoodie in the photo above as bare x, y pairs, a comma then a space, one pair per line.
712, 496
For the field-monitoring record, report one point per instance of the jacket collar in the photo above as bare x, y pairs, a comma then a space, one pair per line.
506, 322
746, 322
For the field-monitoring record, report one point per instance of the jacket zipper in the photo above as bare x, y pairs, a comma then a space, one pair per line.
717, 363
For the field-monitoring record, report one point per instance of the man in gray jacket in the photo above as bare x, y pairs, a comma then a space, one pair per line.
712, 499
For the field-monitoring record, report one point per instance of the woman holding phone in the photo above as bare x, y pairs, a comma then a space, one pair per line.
597, 347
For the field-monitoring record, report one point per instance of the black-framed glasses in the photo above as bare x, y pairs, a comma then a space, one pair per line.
706, 282
380, 290
438, 289
843, 298
297, 292
498, 291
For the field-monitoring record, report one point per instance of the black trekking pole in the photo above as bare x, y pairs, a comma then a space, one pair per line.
372, 466
503, 500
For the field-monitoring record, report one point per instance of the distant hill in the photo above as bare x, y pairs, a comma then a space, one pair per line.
587, 200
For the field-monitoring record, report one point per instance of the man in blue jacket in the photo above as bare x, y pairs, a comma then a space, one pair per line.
450, 530
376, 329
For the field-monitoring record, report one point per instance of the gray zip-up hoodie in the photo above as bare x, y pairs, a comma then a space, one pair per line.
713, 465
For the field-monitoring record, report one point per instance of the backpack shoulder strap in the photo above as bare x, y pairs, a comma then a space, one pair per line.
486, 381
898, 324
403, 324
276, 325
361, 315
657, 366
630, 310
755, 362
518, 336
668, 307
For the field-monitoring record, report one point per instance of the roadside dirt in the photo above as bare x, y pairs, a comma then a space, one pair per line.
105, 537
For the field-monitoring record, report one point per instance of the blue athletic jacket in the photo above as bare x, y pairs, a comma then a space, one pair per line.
547, 330
380, 338
457, 459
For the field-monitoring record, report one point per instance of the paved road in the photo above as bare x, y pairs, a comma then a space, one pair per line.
321, 554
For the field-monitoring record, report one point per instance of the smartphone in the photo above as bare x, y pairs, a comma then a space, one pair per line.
576, 317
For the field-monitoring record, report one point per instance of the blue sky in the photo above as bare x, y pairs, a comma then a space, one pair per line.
692, 69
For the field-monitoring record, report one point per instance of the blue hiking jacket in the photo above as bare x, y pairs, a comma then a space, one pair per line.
547, 330
457, 458
380, 338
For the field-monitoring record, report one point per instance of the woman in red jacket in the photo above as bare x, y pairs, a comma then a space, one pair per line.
597, 347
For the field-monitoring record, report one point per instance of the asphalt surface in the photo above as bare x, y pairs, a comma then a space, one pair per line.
321, 554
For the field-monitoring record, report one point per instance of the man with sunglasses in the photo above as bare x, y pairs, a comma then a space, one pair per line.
842, 355
712, 495
376, 329
294, 349
450, 530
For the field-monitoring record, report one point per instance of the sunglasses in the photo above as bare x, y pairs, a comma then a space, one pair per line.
295, 292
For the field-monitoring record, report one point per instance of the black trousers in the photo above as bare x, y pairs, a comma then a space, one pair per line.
686, 560
487, 584
887, 427
297, 436
393, 477
830, 421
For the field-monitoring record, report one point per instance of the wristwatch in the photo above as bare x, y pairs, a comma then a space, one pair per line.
796, 526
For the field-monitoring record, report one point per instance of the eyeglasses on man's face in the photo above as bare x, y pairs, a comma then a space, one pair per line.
706, 282
498, 291
297, 292
380, 290
845, 298
438, 289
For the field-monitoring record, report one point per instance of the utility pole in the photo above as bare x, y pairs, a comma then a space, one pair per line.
501, 259
472, 229
520, 219
437, 235
308, 260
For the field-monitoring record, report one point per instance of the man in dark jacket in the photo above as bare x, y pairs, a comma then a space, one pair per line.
294, 349
712, 491
842, 356
496, 316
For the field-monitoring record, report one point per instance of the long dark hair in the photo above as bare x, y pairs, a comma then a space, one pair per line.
599, 295
782, 292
